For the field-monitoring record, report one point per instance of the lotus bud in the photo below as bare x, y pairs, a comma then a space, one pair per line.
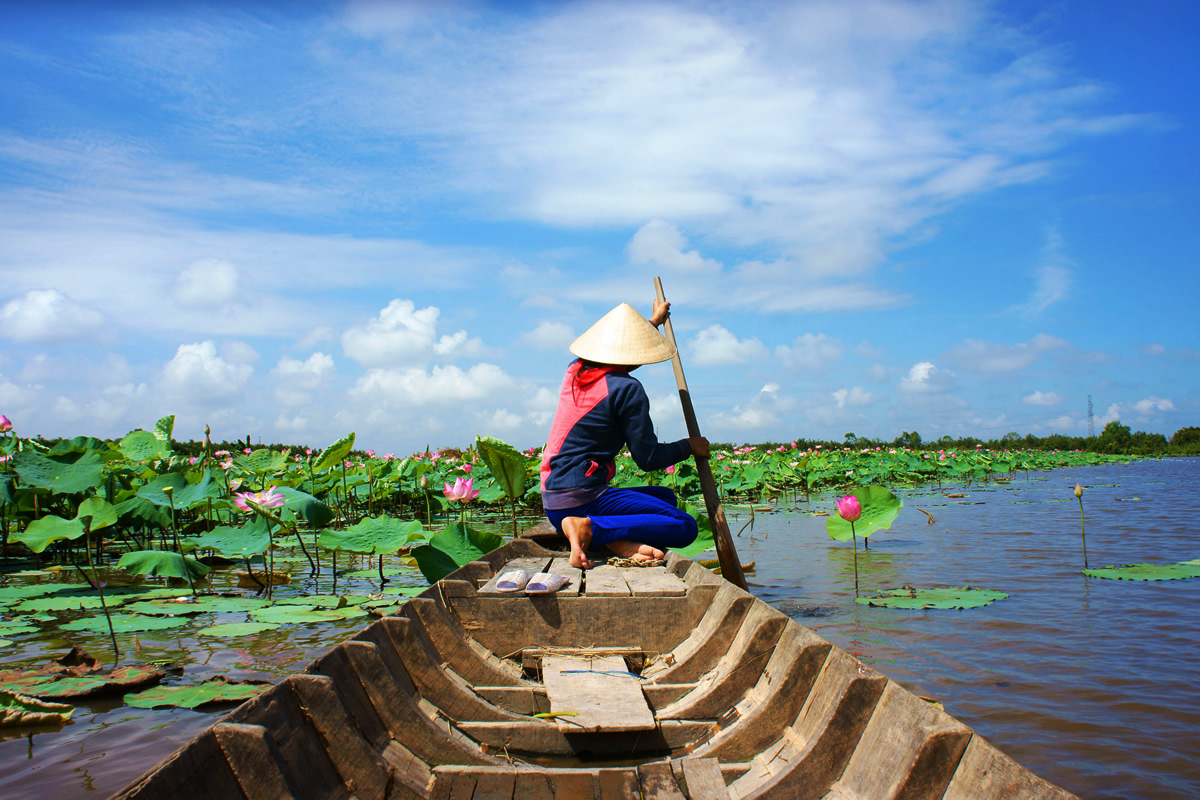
5, 424
1078, 490
849, 508
168, 490
425, 483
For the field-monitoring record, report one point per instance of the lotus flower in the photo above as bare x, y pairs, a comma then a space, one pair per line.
849, 508
5, 424
466, 467
268, 499
461, 491
671, 470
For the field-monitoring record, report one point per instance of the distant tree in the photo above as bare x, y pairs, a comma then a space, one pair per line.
911, 440
1186, 441
1115, 438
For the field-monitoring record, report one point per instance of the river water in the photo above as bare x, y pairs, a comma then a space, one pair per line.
1091, 683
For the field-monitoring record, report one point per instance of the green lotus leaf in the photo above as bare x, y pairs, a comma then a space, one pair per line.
506, 463
1148, 571
165, 428
6, 642
434, 564
18, 593
21, 709
237, 629
248, 540
217, 690
144, 446
41, 533
297, 614
262, 460
373, 536
314, 601
163, 608
453, 547
194, 494
59, 477
879, 509
205, 604
79, 444
153, 491
335, 454
162, 563
302, 504
101, 513
938, 597
373, 573
17, 630
704, 538
139, 512
382, 602
123, 623
407, 591
61, 603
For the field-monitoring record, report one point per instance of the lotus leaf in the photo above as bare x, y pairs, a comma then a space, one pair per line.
250, 539
162, 563
335, 453
938, 597
140, 512
41, 533
46, 473
314, 601
294, 614
18, 593
405, 591
63, 603
1148, 571
6, 642
704, 539
164, 608
236, 629
381, 602
17, 630
55, 682
21, 709
153, 491
195, 493
506, 463
217, 690
372, 573
314, 512
374, 536
144, 446
79, 444
879, 509
123, 623
456, 545
262, 460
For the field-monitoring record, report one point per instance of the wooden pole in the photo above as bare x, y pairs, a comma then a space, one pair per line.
731, 567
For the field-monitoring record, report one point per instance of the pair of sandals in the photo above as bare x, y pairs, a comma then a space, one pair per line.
542, 583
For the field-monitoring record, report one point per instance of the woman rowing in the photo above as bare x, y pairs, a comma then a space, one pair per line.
601, 410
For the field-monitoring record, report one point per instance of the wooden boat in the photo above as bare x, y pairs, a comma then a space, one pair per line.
661, 682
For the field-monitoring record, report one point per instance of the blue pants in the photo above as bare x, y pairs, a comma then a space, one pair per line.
645, 514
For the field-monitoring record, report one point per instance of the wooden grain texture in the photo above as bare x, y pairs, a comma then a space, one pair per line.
605, 581
986, 772
530, 565
562, 566
653, 582
703, 778
602, 701
658, 782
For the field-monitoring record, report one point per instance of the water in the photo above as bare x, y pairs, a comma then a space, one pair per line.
1090, 683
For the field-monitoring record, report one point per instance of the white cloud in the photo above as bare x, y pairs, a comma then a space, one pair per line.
660, 243
1038, 398
206, 283
1152, 349
1153, 404
1052, 277
198, 373
296, 380
924, 377
549, 335
47, 315
440, 386
810, 352
399, 335
868, 350
715, 345
856, 397
980, 356
458, 344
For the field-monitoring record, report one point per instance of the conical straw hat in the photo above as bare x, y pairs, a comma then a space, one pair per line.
623, 337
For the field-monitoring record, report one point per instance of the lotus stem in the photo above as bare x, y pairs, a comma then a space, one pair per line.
382, 580
854, 544
1082, 536
95, 581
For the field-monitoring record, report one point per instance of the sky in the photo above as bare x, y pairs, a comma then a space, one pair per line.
291, 221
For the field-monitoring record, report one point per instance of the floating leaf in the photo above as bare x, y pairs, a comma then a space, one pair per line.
406, 591
123, 623
1148, 571
296, 614
18, 593
506, 463
162, 563
938, 597
314, 601
335, 453
879, 509
21, 709
217, 690
374, 536
62, 603
235, 629
57, 682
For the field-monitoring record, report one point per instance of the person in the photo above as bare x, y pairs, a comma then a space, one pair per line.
602, 409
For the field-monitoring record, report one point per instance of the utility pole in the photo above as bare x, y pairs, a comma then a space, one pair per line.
1091, 420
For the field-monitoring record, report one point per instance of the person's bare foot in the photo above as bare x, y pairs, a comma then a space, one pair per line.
635, 550
578, 531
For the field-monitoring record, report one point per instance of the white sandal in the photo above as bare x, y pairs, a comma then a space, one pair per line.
546, 583
512, 581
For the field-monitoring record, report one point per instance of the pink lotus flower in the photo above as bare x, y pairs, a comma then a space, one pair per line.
849, 508
221, 453
193, 459
268, 499
671, 470
370, 454
466, 467
308, 451
247, 450
5, 424
461, 491
227, 464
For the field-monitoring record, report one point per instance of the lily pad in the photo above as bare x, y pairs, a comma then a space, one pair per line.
936, 597
405, 591
56, 682
235, 629
314, 601
123, 623
217, 690
1148, 572
299, 614
65, 603
21, 709
19, 593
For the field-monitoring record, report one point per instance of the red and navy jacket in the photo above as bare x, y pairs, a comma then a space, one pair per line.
598, 414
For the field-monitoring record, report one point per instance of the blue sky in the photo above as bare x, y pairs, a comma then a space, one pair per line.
292, 221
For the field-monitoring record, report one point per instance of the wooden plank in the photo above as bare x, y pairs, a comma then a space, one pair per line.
530, 565
658, 782
606, 581
653, 582
562, 566
495, 786
618, 784
603, 701
703, 778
